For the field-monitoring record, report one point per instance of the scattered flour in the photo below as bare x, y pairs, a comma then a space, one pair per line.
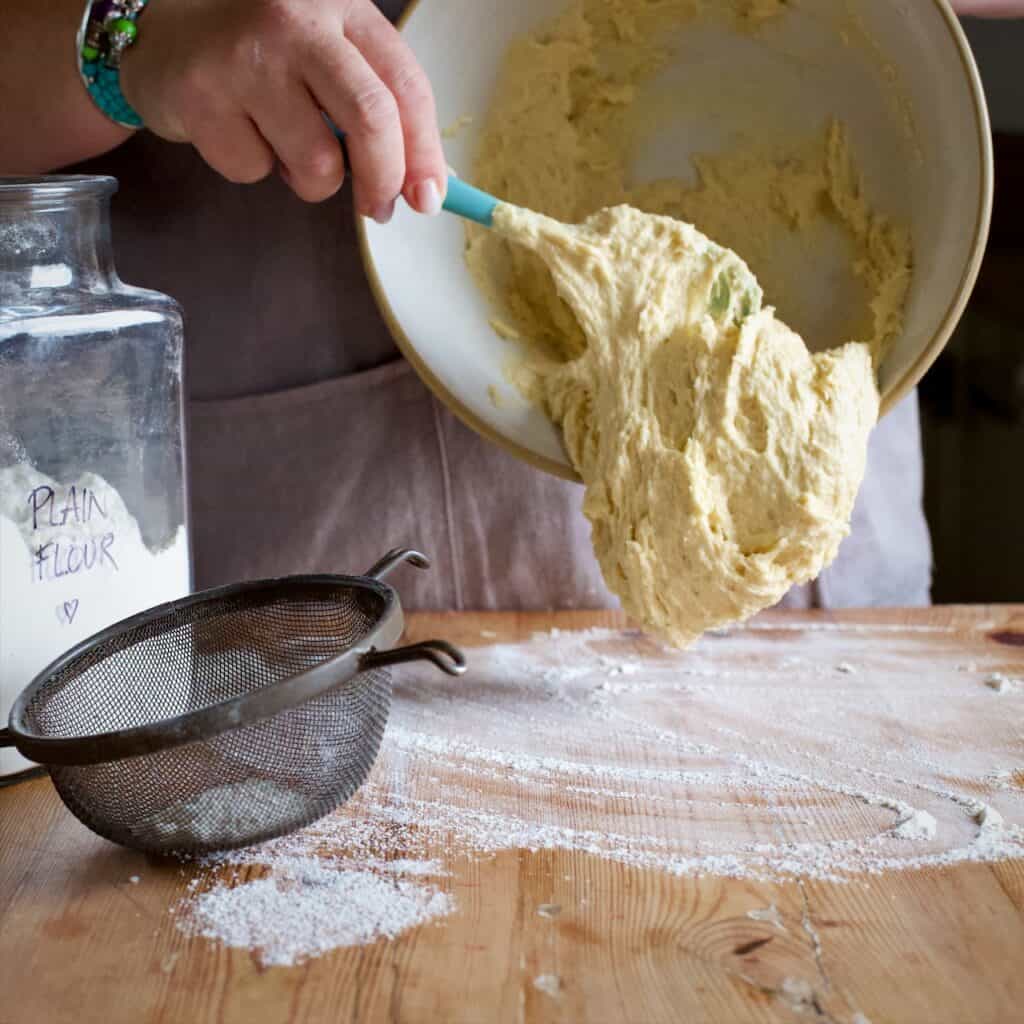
770, 914
739, 758
797, 994
549, 984
916, 825
1004, 684
987, 817
409, 867
309, 906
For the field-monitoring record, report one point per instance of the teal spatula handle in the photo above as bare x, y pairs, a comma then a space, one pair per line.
469, 202
461, 199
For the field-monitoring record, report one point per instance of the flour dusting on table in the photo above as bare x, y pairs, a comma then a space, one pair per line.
308, 906
751, 756
1004, 684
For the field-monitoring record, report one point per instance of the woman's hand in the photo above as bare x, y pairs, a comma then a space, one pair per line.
245, 81
990, 8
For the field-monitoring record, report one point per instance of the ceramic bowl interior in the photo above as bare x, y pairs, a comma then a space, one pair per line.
900, 75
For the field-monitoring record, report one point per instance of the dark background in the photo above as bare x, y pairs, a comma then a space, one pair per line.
972, 401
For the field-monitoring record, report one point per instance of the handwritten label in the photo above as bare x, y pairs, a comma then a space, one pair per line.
56, 559
80, 505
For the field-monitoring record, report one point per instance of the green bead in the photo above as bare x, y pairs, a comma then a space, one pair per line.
90, 53
124, 26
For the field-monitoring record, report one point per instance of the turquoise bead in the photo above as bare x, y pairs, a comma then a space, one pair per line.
106, 92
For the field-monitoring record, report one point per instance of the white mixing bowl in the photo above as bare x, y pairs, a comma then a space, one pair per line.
937, 178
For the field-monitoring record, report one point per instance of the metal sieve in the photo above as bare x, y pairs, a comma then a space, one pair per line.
225, 718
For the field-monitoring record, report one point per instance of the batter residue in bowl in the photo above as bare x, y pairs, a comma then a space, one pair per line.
721, 457
561, 136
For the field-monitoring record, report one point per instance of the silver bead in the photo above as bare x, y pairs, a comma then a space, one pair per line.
94, 35
117, 43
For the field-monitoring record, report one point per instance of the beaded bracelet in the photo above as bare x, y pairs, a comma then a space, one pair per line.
108, 28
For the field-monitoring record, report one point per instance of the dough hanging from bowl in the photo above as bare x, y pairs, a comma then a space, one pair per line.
721, 458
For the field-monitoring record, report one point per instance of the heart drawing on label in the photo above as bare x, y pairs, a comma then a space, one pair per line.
70, 610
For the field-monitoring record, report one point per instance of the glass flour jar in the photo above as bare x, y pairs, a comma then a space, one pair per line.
93, 514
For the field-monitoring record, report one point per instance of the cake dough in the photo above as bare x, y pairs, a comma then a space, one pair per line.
721, 459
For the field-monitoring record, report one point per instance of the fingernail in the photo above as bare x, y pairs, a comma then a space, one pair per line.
427, 197
384, 212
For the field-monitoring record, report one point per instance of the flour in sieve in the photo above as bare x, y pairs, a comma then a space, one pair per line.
226, 813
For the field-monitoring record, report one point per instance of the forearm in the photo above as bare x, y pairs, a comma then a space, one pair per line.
47, 119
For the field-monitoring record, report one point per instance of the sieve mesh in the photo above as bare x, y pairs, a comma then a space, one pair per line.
247, 784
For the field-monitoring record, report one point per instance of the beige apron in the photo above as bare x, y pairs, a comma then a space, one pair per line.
314, 447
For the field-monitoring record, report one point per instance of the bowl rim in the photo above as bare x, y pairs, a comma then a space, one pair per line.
896, 393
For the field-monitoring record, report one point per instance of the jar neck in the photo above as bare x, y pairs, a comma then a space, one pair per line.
54, 242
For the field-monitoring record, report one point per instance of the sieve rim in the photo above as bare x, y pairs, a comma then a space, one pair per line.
205, 723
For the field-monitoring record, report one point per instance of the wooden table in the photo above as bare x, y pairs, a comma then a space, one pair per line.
79, 944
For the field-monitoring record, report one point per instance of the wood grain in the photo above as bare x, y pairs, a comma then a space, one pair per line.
80, 943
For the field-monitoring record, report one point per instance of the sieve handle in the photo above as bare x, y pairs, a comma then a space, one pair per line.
5, 738
446, 657
394, 558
